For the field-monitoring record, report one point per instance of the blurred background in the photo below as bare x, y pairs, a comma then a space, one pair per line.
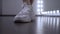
42, 25
12, 7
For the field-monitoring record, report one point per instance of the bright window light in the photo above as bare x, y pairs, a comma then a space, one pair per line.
57, 11
38, 1
41, 9
51, 12
41, 6
38, 5
48, 12
41, 1
54, 11
38, 10
44, 12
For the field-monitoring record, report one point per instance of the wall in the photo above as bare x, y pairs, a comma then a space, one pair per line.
0, 14
48, 5
11, 7
0, 7
51, 4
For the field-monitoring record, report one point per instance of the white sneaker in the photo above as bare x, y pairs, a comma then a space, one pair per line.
25, 15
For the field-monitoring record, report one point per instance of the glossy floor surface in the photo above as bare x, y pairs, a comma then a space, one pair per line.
42, 25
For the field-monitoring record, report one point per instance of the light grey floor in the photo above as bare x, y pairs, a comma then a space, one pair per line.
42, 25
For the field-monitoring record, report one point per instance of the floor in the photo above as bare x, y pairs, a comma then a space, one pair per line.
42, 25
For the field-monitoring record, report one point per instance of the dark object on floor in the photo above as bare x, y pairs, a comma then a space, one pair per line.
19, 21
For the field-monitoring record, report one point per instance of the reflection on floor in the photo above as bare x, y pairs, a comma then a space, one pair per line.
42, 25
48, 25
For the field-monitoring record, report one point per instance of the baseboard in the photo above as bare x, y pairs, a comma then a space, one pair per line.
48, 15
7, 15
36, 15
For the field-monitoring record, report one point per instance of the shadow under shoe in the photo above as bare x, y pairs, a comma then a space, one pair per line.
19, 21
